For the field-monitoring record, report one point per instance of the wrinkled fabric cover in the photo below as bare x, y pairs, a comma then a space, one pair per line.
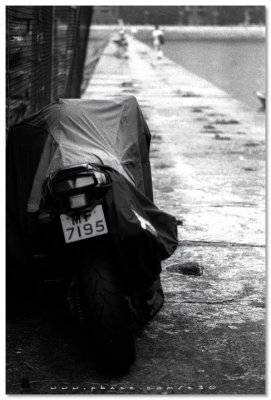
141, 234
113, 130
69, 132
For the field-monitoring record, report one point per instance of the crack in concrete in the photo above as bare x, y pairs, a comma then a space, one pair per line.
206, 243
236, 299
205, 302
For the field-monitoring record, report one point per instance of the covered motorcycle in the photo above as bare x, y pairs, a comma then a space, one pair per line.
79, 194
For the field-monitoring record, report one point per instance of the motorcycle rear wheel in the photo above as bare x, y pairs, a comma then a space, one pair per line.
106, 315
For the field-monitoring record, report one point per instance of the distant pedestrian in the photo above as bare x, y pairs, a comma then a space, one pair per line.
121, 41
158, 40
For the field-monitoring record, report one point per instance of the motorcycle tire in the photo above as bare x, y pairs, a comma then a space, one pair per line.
106, 316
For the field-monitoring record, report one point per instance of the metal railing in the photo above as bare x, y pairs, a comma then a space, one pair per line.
45, 55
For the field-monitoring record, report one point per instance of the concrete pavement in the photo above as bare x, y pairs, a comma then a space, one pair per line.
208, 166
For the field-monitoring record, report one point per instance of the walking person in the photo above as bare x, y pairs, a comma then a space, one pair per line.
158, 41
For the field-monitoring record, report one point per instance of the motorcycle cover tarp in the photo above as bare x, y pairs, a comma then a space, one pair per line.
115, 131
69, 132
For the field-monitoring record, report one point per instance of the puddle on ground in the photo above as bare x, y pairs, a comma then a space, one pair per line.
187, 94
166, 189
155, 155
154, 149
201, 119
209, 126
211, 131
127, 84
251, 144
214, 114
222, 121
162, 165
238, 153
188, 268
130, 90
219, 137
249, 169
156, 137
197, 110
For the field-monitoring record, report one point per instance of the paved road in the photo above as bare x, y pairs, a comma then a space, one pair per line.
208, 165
207, 157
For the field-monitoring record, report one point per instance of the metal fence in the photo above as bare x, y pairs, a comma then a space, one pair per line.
45, 53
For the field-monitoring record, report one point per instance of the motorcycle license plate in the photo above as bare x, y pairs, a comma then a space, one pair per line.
85, 225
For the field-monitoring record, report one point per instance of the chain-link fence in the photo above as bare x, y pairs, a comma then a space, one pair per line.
45, 54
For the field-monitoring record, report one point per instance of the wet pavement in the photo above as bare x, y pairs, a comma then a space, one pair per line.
208, 166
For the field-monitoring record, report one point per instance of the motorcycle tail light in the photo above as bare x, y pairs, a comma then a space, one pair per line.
84, 181
62, 186
78, 201
76, 183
